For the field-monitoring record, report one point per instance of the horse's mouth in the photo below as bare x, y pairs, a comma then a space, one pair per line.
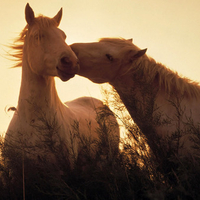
64, 76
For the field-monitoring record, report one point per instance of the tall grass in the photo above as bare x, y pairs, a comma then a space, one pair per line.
133, 172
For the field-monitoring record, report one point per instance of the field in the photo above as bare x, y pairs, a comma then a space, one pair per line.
134, 172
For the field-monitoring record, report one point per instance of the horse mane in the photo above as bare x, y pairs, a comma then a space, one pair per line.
41, 22
167, 79
117, 41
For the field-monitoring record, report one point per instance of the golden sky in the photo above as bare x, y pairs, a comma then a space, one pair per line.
169, 29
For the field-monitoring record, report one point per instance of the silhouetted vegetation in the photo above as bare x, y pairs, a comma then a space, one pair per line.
134, 172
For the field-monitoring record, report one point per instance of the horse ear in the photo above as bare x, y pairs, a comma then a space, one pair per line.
29, 14
131, 56
58, 17
130, 40
140, 53
137, 54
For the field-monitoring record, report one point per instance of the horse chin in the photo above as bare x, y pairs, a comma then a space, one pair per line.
97, 80
64, 76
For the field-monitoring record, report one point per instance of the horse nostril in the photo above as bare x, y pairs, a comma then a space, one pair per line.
69, 63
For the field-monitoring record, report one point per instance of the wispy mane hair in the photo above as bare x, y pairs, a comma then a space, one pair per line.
117, 41
167, 79
41, 22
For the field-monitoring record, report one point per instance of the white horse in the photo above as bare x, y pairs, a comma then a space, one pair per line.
41, 119
154, 95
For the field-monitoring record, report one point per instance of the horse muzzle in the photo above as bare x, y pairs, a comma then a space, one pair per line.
67, 68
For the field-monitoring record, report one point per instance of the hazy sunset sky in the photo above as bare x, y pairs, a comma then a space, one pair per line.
169, 29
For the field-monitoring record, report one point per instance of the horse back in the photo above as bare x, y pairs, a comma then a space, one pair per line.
92, 111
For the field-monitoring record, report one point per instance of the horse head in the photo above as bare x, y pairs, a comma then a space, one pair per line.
46, 42
107, 59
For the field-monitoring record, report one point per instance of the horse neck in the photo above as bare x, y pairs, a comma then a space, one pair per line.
37, 93
137, 93
150, 84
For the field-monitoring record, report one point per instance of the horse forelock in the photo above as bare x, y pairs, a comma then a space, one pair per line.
167, 79
40, 22
44, 22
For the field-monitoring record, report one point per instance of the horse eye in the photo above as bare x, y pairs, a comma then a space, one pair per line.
109, 57
39, 36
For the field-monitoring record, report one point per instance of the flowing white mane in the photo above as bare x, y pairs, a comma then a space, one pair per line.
167, 79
